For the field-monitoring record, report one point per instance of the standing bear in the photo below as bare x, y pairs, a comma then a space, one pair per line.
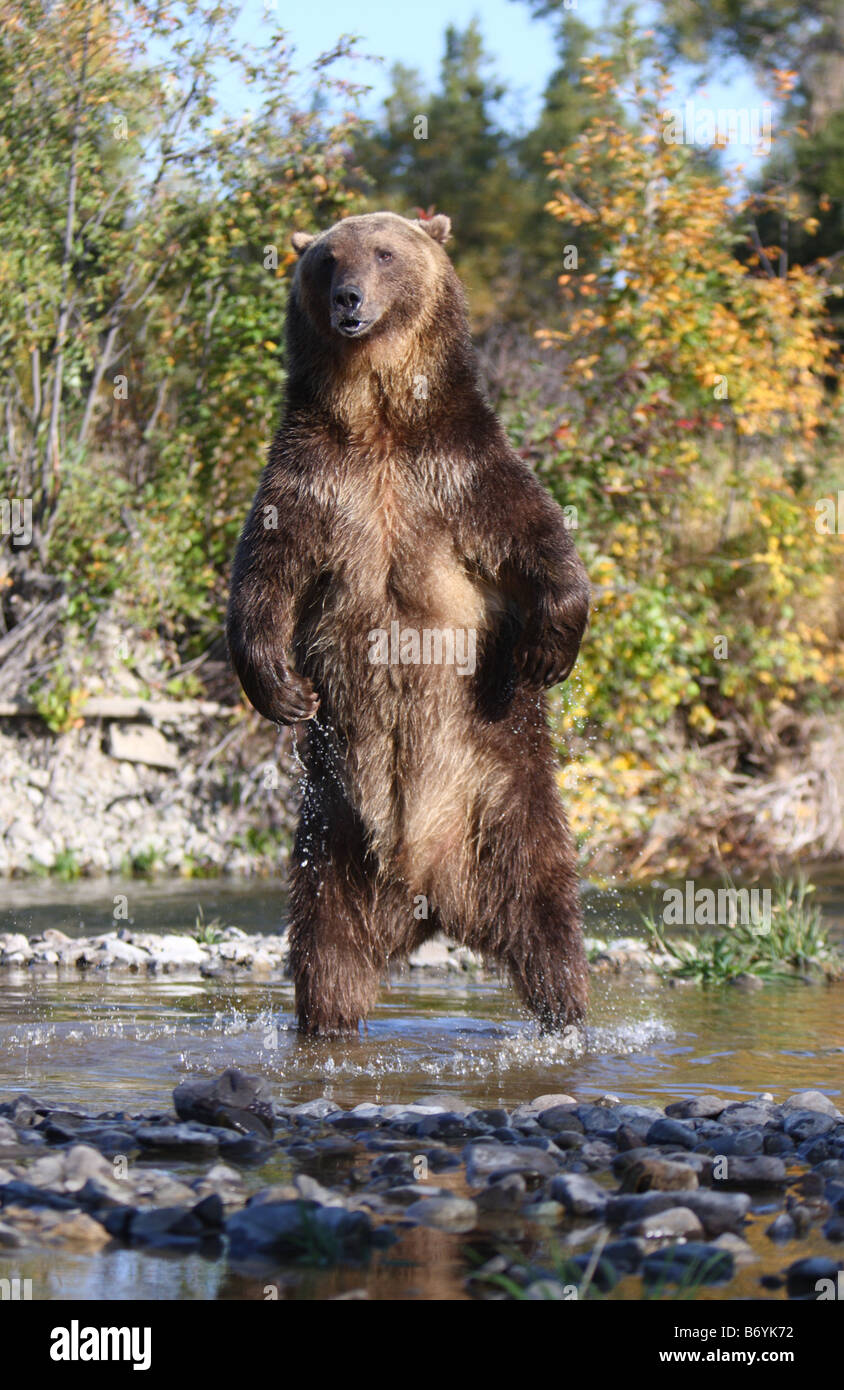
406, 590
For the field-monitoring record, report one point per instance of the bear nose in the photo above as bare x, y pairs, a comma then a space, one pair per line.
348, 297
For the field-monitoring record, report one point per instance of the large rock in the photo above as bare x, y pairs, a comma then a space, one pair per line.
233, 1101
675, 1222
444, 1213
717, 1211
580, 1195
692, 1263
745, 1174
812, 1100
484, 1159
300, 1229
141, 743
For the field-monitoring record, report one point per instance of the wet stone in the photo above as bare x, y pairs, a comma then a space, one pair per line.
752, 1113
778, 1144
674, 1132
658, 1173
597, 1154
448, 1126
834, 1229
803, 1277
698, 1107
297, 1228
178, 1138
560, 1117
625, 1255
492, 1119
579, 1195
233, 1100
674, 1221
782, 1228
717, 1211
503, 1194
691, 1263
445, 1213
807, 1124
483, 1159
745, 1174
811, 1100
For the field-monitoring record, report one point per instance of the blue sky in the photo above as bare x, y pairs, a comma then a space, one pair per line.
521, 47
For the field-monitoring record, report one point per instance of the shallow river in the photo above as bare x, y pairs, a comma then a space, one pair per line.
126, 1042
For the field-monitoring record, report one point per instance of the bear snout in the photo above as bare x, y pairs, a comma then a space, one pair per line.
348, 297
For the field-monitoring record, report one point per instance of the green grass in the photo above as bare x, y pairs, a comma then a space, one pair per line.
796, 944
207, 933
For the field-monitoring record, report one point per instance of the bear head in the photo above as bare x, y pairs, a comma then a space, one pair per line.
372, 276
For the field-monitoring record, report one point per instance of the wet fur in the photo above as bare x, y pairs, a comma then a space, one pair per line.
420, 781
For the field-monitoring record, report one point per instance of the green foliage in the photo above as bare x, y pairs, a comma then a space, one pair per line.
795, 943
207, 933
143, 285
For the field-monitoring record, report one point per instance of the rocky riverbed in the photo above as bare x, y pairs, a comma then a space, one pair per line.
631, 1199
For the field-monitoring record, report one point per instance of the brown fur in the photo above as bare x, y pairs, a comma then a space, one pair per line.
396, 503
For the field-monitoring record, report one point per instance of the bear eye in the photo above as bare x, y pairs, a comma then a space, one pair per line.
384, 257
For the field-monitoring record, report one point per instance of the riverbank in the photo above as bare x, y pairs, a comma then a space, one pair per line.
198, 795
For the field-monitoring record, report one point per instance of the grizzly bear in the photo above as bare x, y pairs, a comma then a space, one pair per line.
406, 589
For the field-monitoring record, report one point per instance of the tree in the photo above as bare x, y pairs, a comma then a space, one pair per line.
143, 283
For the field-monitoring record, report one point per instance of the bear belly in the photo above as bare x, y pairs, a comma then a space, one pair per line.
393, 654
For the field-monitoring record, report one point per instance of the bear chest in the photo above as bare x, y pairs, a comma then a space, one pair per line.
395, 555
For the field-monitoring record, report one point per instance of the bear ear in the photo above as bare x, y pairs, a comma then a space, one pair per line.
300, 241
438, 228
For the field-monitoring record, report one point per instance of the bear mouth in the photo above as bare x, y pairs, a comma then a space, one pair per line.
350, 326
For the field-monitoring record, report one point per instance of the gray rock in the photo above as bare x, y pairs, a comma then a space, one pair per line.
782, 1228
580, 1195
748, 1174
315, 1109
812, 1100
717, 1211
675, 1132
802, 1277
233, 1100
444, 1213
482, 1159
141, 743
532, 1109
300, 1229
698, 1107
692, 1263
675, 1221
177, 1139
807, 1124
751, 1113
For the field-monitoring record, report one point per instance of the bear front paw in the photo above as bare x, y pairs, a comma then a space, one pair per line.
292, 698
542, 666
